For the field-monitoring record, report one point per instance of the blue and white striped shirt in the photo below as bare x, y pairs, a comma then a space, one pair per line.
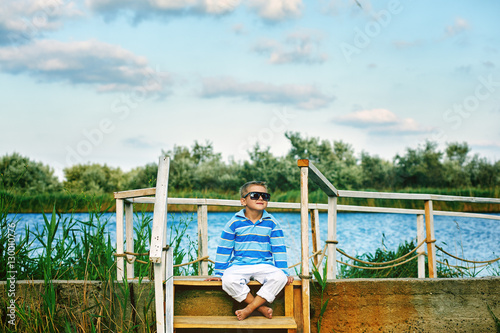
246, 243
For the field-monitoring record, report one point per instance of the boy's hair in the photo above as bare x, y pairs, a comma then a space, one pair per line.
244, 188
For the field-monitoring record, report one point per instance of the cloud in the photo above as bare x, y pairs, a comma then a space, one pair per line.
301, 96
109, 68
141, 9
381, 122
269, 10
23, 20
459, 26
299, 47
276, 10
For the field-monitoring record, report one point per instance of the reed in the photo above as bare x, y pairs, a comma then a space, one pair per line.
65, 248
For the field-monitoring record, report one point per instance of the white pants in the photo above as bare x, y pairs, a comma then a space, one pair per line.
236, 277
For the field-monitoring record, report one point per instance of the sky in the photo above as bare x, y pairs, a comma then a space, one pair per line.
117, 82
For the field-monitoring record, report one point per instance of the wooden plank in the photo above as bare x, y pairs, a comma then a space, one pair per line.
135, 193
316, 176
315, 234
158, 239
304, 228
472, 215
289, 300
169, 291
421, 249
202, 238
129, 237
431, 240
231, 322
200, 281
159, 296
120, 261
331, 272
384, 195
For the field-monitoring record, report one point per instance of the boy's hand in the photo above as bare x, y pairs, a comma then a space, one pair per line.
290, 280
213, 279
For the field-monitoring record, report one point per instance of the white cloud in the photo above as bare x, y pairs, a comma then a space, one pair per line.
299, 47
22, 20
459, 26
107, 67
276, 10
269, 10
301, 96
141, 9
381, 121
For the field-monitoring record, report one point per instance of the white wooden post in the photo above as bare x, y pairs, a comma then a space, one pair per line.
430, 239
202, 238
158, 240
120, 266
169, 291
304, 231
129, 240
332, 236
421, 249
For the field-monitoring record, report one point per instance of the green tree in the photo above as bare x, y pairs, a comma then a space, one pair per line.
20, 174
420, 167
94, 178
454, 165
376, 172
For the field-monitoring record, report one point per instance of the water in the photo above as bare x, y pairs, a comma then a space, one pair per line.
357, 233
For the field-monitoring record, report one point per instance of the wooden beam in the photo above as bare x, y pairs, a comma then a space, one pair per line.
129, 237
430, 239
421, 249
202, 239
120, 261
316, 176
304, 228
135, 193
332, 236
158, 239
232, 322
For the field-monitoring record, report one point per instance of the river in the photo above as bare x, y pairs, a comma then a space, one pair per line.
357, 233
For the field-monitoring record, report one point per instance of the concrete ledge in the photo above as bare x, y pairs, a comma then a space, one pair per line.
409, 305
355, 305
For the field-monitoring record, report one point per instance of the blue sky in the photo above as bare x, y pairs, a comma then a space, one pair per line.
117, 81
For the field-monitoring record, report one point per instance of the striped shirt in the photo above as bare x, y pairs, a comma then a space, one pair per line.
246, 243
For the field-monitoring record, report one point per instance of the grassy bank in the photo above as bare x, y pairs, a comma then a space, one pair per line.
69, 202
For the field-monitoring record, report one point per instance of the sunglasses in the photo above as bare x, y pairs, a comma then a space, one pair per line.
257, 195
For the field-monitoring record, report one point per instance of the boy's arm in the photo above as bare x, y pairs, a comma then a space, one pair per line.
224, 251
278, 249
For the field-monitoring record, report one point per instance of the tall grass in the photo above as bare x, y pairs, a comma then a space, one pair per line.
67, 248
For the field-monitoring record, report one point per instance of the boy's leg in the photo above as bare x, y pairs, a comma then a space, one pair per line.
273, 280
234, 282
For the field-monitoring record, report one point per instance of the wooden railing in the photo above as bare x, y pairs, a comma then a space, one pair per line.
424, 220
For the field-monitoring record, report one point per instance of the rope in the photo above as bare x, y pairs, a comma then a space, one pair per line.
460, 267
381, 263
470, 261
362, 267
194, 261
312, 255
331, 242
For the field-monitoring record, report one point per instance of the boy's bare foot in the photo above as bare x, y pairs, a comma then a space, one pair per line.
266, 311
243, 313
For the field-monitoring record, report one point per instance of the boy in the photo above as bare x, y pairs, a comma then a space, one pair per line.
252, 247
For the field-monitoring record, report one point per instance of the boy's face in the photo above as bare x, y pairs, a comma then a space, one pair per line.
258, 204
